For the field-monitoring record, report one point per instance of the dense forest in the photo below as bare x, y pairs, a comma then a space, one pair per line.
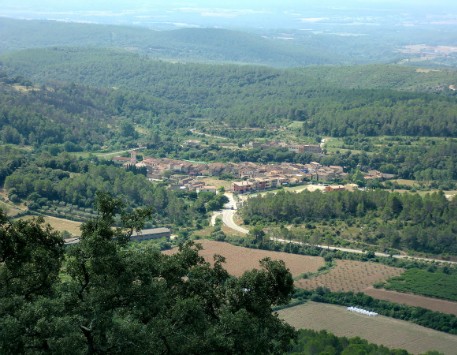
246, 96
157, 104
393, 220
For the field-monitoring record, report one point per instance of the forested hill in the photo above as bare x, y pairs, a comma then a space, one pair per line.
75, 117
336, 101
204, 45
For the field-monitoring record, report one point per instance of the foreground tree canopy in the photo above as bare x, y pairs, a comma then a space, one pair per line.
105, 295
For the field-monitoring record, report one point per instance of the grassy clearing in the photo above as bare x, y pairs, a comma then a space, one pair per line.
218, 183
411, 183
11, 209
380, 330
203, 233
422, 282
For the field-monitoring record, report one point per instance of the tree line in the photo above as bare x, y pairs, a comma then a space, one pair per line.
407, 221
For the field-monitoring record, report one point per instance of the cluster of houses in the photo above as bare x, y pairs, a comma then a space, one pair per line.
262, 177
251, 176
255, 176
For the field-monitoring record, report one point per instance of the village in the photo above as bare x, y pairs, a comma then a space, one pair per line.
246, 177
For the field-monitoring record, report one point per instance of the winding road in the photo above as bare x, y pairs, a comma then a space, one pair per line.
228, 214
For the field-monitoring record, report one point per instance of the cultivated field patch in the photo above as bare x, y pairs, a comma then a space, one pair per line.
426, 283
239, 259
413, 300
349, 275
381, 330
60, 224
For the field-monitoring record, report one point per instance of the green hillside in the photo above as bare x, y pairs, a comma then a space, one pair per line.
206, 45
73, 116
336, 101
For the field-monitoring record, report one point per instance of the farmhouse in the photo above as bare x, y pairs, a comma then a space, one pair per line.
154, 233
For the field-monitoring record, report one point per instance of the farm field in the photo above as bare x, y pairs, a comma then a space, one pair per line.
350, 275
381, 330
61, 224
422, 282
239, 260
433, 304
346, 276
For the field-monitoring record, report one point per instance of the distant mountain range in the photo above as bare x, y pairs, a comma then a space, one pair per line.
270, 48
204, 45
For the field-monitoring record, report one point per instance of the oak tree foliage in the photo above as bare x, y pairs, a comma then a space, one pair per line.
106, 296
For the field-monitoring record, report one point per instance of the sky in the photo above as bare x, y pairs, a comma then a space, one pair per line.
223, 13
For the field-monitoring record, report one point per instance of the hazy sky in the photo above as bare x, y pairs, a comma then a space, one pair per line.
247, 13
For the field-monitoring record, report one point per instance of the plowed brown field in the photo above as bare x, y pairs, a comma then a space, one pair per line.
414, 300
349, 275
239, 260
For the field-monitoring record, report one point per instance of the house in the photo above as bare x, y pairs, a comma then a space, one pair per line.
195, 185
334, 188
154, 233
260, 184
324, 175
242, 187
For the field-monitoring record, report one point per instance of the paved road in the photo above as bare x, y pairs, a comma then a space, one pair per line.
228, 214
358, 251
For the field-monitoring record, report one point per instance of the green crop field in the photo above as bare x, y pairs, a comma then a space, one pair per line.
422, 282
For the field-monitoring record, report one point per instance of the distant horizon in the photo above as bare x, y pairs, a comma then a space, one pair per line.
255, 14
